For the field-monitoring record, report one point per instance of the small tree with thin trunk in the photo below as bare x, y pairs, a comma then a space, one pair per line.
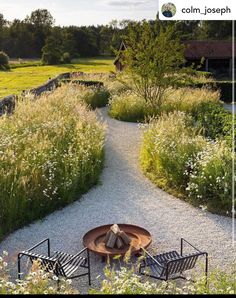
153, 59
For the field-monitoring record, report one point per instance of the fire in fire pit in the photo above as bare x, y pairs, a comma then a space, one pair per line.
115, 238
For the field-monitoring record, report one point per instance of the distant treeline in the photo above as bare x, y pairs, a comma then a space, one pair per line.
26, 38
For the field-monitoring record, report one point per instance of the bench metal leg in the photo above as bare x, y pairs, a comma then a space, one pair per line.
19, 266
89, 272
206, 269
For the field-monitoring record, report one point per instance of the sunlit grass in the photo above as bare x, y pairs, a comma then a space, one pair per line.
24, 78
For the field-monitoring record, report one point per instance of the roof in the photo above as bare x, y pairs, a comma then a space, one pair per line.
196, 49
123, 47
208, 49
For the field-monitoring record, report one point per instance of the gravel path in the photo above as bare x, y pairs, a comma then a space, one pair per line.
229, 107
126, 196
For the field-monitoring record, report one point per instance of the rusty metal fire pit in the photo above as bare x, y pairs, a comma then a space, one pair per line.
95, 240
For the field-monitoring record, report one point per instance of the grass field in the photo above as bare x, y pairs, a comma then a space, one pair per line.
25, 76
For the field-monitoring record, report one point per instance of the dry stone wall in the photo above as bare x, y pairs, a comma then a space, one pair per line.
7, 104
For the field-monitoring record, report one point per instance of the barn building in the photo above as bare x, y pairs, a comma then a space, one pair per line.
217, 56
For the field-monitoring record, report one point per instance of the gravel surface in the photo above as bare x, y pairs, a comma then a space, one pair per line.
126, 196
229, 107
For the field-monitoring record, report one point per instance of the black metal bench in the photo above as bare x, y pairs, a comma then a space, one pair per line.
59, 263
171, 265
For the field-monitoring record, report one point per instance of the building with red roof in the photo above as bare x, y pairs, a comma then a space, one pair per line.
216, 55
208, 55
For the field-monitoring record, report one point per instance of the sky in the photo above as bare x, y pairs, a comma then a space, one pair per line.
82, 12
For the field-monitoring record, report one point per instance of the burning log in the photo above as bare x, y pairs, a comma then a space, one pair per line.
115, 238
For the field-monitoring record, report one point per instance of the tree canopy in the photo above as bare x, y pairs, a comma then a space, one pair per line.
26, 38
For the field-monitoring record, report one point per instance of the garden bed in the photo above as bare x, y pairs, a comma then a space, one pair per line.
51, 152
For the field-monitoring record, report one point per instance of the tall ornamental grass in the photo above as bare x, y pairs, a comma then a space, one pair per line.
128, 106
115, 87
188, 100
51, 151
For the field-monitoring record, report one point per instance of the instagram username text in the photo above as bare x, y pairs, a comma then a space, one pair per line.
206, 10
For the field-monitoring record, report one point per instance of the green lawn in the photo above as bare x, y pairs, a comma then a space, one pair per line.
23, 78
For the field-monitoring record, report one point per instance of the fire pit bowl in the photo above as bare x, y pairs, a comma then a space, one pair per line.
95, 240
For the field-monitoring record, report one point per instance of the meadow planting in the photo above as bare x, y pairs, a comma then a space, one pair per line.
51, 151
180, 160
169, 143
187, 143
128, 106
36, 282
126, 281
94, 97
210, 179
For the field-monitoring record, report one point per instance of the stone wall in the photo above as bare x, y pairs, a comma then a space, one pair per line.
7, 104
49, 85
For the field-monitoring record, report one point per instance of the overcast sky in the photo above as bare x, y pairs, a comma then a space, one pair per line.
82, 12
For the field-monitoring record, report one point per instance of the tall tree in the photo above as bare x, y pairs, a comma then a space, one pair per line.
3, 23
215, 30
41, 22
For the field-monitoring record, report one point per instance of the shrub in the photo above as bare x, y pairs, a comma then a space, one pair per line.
51, 151
51, 58
204, 74
215, 121
211, 178
127, 281
4, 61
51, 52
95, 97
36, 282
168, 144
66, 58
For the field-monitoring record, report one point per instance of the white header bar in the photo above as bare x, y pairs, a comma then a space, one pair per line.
197, 10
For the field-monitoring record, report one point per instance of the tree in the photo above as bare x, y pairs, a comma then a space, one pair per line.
215, 30
187, 30
3, 23
41, 18
52, 51
4, 61
41, 22
154, 58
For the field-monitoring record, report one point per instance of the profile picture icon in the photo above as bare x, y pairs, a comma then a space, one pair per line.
168, 10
